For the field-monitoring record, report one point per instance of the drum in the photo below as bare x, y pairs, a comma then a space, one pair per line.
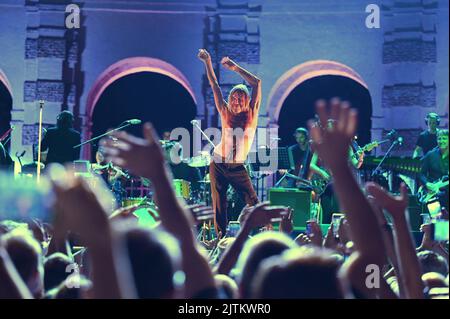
133, 201
182, 188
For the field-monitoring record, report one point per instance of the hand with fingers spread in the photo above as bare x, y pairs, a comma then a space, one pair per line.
331, 139
142, 156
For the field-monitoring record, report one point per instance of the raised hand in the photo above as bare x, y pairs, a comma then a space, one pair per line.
201, 213
330, 240
144, 157
79, 207
204, 55
286, 223
427, 241
228, 64
302, 239
395, 205
263, 214
125, 213
343, 232
316, 233
332, 139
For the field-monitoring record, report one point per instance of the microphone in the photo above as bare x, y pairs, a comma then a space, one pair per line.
400, 140
134, 121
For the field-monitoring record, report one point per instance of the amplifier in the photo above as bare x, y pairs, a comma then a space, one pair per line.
298, 200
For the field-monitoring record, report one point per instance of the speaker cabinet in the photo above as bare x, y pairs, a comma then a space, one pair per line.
298, 200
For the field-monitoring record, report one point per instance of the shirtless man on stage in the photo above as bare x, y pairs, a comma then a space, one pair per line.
239, 117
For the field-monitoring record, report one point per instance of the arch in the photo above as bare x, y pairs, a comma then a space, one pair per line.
121, 69
5, 82
301, 73
6, 103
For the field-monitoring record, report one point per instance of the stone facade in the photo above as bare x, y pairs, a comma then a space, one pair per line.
52, 71
404, 63
409, 50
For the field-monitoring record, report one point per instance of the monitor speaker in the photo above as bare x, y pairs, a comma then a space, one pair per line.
298, 200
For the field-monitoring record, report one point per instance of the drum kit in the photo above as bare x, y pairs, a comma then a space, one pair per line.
142, 187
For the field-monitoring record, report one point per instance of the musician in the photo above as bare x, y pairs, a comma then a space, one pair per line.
301, 155
328, 199
61, 139
427, 139
111, 174
239, 118
355, 157
435, 166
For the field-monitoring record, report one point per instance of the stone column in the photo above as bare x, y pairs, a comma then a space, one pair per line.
409, 59
51, 73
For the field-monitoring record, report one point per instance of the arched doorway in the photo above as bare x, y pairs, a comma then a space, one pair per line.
143, 88
6, 100
292, 99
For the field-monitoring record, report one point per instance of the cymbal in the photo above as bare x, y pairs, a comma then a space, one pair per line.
200, 161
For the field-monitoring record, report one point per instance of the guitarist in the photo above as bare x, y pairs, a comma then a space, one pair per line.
355, 158
435, 166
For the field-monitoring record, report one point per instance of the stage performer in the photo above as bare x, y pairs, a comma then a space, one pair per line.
239, 117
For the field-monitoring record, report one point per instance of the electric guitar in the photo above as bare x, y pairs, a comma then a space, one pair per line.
425, 195
319, 184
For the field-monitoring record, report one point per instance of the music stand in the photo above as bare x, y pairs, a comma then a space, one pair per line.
281, 155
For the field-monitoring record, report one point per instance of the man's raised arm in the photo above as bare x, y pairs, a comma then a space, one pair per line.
251, 79
218, 98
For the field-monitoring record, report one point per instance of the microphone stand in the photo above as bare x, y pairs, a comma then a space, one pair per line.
377, 169
195, 123
102, 135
